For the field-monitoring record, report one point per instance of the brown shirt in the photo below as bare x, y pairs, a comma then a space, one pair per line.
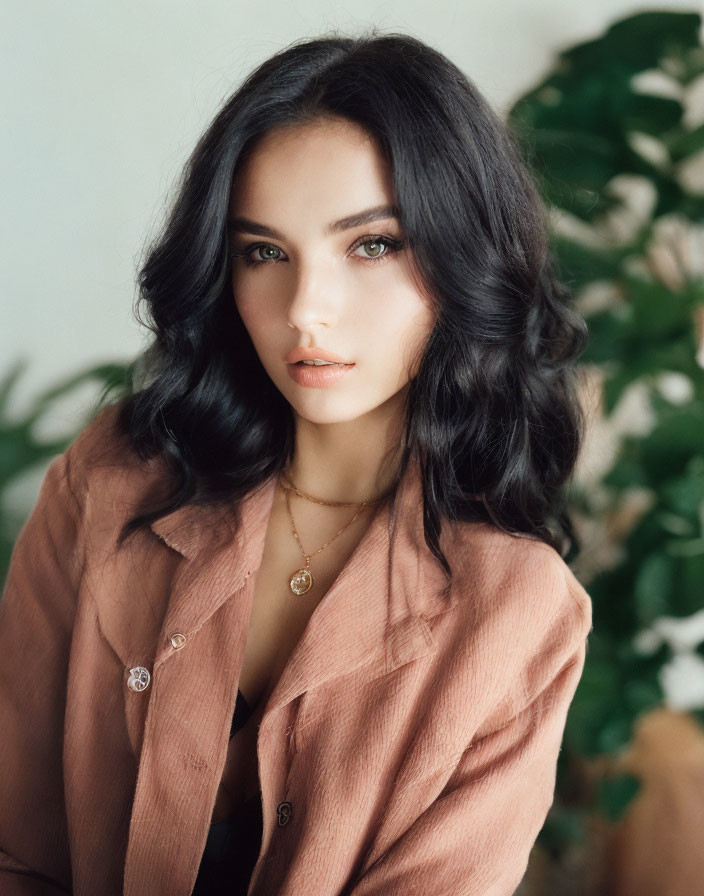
409, 746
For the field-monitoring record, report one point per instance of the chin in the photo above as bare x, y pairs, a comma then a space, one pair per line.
317, 410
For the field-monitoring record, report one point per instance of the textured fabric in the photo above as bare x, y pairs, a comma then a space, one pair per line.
233, 845
409, 747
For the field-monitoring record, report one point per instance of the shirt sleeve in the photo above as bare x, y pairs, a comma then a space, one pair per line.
475, 838
37, 610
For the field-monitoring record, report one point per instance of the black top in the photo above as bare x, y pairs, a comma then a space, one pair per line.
233, 845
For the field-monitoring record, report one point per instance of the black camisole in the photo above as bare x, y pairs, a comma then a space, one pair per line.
233, 845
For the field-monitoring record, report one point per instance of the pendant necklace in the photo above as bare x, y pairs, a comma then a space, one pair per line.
301, 580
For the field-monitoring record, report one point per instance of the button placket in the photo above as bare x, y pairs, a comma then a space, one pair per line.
284, 811
177, 640
139, 678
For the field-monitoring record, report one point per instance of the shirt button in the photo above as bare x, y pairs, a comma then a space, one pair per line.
284, 811
177, 640
139, 678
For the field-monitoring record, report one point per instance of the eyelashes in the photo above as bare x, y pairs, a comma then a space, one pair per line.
391, 247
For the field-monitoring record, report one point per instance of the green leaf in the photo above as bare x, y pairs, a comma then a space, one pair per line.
581, 265
614, 387
653, 588
562, 826
614, 735
649, 114
683, 143
658, 313
615, 793
642, 696
678, 437
684, 495
639, 42
689, 598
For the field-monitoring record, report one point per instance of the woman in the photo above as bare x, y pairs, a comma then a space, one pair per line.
283, 626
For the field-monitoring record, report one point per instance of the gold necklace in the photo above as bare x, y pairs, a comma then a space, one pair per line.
301, 581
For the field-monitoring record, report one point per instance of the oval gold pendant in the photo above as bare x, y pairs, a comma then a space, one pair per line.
301, 581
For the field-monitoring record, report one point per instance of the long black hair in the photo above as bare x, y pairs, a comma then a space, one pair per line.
493, 413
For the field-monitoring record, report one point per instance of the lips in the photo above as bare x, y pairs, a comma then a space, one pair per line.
314, 353
318, 362
318, 376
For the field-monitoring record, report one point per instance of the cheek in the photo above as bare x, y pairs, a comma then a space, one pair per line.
258, 300
414, 339
402, 325
251, 310
410, 310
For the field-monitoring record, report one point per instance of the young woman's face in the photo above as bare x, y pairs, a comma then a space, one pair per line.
299, 280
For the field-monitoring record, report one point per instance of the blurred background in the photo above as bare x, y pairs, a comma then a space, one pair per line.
102, 105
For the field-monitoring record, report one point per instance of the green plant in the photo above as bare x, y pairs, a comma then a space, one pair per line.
612, 136
20, 448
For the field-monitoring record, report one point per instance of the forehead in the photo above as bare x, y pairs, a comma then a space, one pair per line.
328, 162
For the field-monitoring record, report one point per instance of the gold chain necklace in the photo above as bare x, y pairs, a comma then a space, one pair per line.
301, 580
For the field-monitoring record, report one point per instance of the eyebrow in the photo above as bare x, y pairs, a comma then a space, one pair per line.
379, 212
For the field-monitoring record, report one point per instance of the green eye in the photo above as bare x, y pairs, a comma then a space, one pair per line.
269, 249
388, 244
384, 246
247, 253
379, 244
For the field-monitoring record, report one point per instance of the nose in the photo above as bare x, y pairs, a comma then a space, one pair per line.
313, 303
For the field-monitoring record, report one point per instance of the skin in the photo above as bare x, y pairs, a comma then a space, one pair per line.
317, 289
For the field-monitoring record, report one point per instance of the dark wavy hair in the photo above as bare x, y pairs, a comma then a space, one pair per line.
493, 412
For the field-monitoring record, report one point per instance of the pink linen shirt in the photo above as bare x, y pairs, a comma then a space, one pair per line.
409, 747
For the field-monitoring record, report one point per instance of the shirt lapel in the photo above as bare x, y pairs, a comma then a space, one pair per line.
375, 612
221, 550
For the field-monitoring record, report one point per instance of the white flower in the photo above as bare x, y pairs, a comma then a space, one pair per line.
682, 680
675, 387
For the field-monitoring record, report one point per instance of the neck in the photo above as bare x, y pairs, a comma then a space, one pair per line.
352, 461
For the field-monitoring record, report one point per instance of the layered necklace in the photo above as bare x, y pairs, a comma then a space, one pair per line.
301, 580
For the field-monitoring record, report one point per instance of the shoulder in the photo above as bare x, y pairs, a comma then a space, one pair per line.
102, 463
89, 482
496, 571
99, 483
518, 599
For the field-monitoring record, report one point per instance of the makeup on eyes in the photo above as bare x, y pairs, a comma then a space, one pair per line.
391, 244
